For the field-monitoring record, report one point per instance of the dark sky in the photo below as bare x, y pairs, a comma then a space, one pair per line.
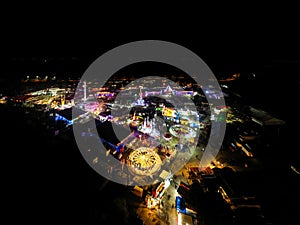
75, 56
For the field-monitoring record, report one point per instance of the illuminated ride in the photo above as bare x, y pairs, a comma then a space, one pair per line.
144, 161
178, 131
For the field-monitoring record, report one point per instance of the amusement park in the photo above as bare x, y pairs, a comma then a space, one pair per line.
161, 128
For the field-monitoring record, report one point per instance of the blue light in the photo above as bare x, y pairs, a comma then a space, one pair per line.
59, 117
180, 206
